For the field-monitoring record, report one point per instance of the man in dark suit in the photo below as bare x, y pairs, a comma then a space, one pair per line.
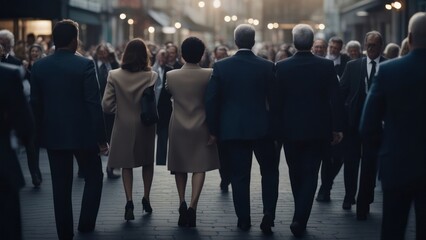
238, 98
355, 83
164, 105
333, 159
309, 119
398, 98
7, 40
15, 116
65, 98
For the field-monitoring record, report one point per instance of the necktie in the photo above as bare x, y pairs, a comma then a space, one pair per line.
372, 73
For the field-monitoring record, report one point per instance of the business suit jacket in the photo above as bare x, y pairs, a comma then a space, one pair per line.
66, 102
344, 59
353, 88
164, 105
12, 60
239, 97
308, 102
14, 114
398, 97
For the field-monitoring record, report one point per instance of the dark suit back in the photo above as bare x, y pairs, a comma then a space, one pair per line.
398, 97
12, 60
237, 97
14, 114
66, 101
308, 106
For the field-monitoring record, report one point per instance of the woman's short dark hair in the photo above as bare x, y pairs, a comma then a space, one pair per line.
64, 32
136, 56
192, 50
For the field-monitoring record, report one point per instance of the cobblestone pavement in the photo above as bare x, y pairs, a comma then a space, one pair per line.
215, 214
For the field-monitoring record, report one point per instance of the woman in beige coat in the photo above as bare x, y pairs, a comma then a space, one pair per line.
132, 143
191, 148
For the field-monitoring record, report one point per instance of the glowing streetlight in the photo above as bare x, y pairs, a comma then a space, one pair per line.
151, 29
217, 4
321, 26
130, 22
388, 7
227, 18
270, 26
250, 20
397, 5
123, 16
178, 25
275, 25
234, 18
255, 22
201, 4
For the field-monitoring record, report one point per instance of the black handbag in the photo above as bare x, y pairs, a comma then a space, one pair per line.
149, 114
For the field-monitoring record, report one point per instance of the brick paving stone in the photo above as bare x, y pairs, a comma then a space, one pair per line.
215, 214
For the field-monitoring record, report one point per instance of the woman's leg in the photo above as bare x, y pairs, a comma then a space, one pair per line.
197, 186
147, 176
127, 176
181, 179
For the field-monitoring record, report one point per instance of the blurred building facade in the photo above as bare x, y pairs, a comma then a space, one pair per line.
351, 19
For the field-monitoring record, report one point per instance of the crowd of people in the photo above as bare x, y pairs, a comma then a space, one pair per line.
327, 103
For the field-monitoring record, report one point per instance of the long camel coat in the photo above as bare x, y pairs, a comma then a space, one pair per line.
132, 143
188, 132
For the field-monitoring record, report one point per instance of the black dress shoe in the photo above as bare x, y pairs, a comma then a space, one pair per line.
36, 181
224, 187
347, 205
183, 219
192, 217
267, 224
323, 197
111, 174
362, 212
297, 229
244, 225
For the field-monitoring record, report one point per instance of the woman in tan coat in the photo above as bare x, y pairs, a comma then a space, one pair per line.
132, 143
191, 148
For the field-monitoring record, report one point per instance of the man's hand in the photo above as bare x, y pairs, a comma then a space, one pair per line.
337, 138
103, 149
212, 140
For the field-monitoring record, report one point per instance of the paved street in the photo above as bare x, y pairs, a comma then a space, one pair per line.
215, 215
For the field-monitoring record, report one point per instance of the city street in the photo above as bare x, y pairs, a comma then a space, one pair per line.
215, 215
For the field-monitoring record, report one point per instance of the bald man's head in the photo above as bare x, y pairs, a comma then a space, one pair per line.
417, 31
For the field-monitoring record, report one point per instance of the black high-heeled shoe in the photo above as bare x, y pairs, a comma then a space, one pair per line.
146, 206
128, 214
182, 222
192, 217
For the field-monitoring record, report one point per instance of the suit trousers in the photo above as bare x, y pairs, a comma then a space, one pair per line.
330, 167
225, 166
303, 160
32, 150
396, 207
61, 167
10, 217
162, 140
240, 154
366, 153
